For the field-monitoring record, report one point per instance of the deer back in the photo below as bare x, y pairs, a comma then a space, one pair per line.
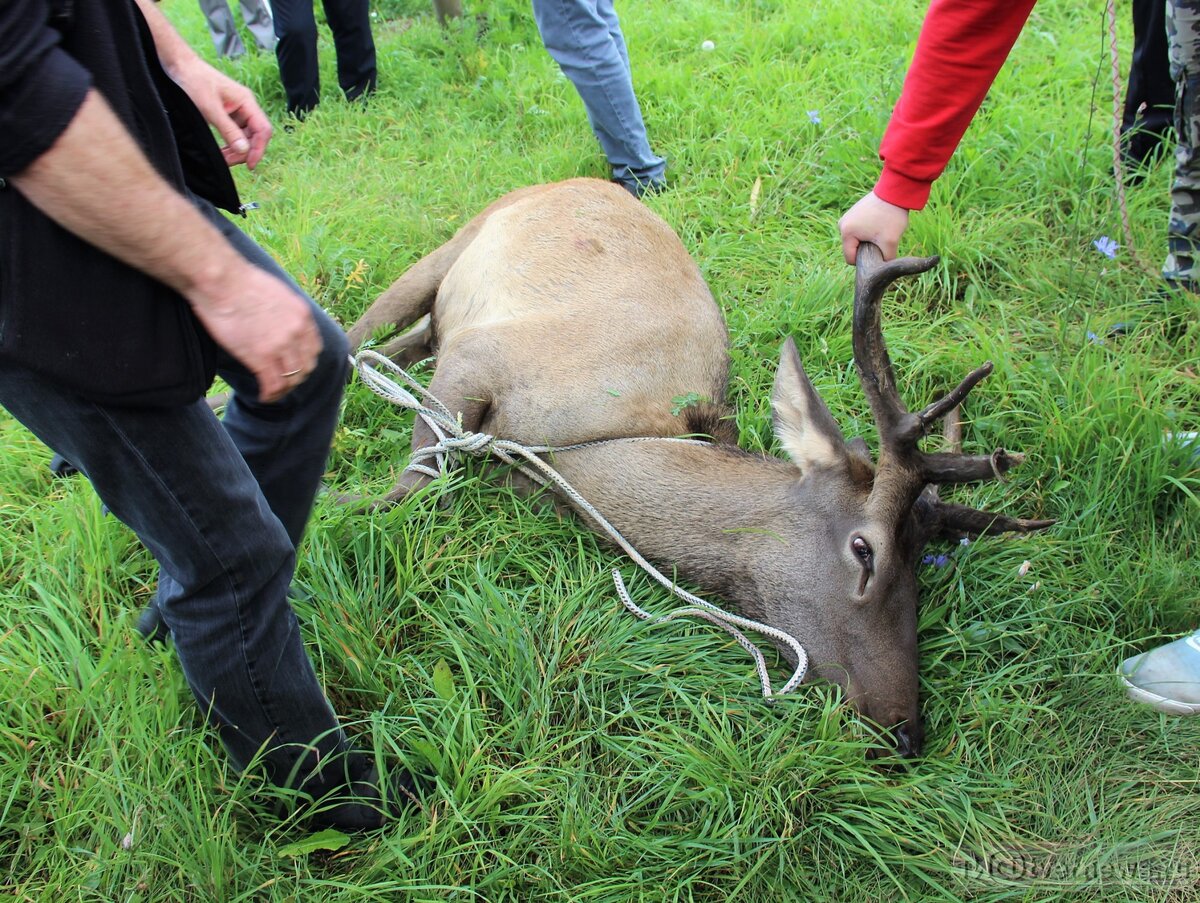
588, 316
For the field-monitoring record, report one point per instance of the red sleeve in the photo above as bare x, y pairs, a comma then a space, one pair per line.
962, 46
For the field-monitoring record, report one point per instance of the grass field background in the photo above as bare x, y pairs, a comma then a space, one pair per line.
579, 754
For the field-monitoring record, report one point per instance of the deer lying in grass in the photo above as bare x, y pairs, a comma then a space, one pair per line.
570, 312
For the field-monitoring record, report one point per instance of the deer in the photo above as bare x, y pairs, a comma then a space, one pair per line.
570, 312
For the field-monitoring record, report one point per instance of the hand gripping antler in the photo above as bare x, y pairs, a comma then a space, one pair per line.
904, 470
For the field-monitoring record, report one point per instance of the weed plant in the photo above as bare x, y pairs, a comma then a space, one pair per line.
580, 755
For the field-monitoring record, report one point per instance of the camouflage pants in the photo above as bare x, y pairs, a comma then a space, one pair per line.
1183, 232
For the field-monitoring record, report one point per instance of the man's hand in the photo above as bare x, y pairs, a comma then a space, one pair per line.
875, 220
95, 182
229, 107
264, 324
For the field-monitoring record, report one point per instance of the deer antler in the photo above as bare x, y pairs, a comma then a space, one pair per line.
952, 521
904, 470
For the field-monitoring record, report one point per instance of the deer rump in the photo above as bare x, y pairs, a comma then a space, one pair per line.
570, 312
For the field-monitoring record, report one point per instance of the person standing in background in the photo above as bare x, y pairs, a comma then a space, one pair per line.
296, 28
584, 37
223, 29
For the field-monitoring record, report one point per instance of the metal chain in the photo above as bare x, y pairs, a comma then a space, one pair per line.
452, 440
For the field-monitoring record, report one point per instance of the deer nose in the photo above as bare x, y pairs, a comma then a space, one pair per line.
908, 740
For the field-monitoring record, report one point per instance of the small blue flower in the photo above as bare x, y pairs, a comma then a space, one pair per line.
1106, 246
1094, 339
814, 116
965, 541
938, 561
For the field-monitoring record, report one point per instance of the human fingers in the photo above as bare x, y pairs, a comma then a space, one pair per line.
298, 358
875, 220
255, 125
849, 248
237, 142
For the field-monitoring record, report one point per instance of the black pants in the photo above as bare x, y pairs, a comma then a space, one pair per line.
1150, 83
296, 28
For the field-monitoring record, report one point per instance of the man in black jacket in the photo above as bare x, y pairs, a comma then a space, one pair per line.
122, 292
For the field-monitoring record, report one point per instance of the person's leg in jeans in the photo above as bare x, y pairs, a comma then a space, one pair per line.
286, 443
585, 39
175, 477
296, 50
257, 14
350, 22
221, 507
222, 28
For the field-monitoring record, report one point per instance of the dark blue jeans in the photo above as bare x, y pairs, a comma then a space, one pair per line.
222, 507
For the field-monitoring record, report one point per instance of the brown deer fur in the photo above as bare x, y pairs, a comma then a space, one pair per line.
570, 312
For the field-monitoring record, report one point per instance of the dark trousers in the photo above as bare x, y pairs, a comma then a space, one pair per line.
296, 28
1151, 89
222, 507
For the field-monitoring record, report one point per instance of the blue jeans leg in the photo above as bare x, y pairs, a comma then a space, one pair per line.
584, 37
181, 481
285, 443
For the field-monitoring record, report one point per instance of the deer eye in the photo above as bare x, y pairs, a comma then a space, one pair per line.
862, 549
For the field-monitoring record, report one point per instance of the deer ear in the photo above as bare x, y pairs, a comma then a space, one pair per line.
803, 424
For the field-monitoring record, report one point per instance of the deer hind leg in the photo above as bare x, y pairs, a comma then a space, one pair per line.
463, 391
412, 347
413, 294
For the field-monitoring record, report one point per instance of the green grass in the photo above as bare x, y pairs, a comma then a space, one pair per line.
579, 754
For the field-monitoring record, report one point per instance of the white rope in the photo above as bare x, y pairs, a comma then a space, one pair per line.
452, 439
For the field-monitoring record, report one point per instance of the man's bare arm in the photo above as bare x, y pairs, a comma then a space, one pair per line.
229, 107
96, 182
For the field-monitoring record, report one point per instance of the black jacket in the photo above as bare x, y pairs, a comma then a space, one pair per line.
68, 310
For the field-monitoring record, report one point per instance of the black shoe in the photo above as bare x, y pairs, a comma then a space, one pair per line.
1168, 309
151, 626
366, 803
640, 189
1142, 146
61, 467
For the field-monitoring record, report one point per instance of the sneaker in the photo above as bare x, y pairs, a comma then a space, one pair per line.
1167, 677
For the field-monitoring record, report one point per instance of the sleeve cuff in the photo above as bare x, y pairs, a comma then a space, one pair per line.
38, 107
902, 191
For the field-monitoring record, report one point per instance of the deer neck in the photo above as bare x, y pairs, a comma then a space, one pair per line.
704, 513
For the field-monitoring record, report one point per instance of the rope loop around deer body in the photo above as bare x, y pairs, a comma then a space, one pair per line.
453, 440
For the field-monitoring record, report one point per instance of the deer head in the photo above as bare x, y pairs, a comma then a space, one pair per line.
860, 622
